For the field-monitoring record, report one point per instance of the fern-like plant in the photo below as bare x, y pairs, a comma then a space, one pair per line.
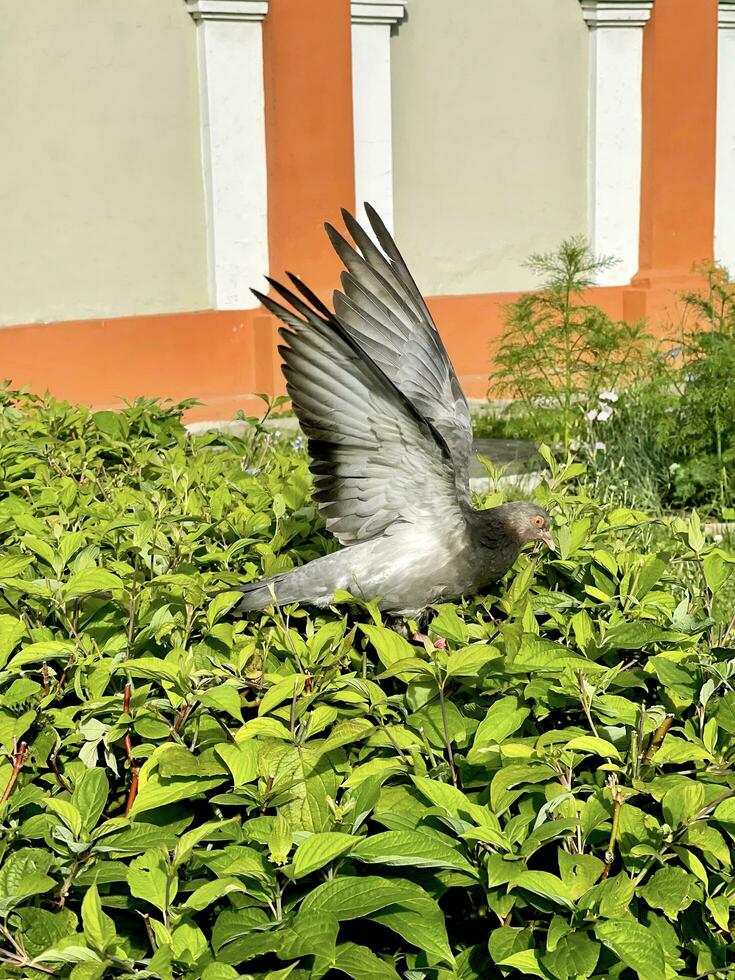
559, 352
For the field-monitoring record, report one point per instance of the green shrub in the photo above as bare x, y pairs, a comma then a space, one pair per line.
558, 353
669, 440
706, 410
553, 795
629, 443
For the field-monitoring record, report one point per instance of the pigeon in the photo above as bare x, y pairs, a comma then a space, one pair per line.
390, 441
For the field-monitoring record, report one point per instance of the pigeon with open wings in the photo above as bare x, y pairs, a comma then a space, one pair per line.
390, 441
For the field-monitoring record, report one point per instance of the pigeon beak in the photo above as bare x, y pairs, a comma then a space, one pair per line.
547, 538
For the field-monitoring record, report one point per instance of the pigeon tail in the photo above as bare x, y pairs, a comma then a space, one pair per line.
294, 585
266, 592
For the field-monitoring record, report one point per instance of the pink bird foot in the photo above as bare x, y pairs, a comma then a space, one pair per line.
440, 643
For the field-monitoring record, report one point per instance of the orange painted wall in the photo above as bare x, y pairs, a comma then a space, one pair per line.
219, 357
679, 128
307, 54
222, 358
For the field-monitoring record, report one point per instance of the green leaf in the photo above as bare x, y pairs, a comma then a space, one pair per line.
241, 758
716, 570
314, 935
99, 928
212, 891
671, 890
68, 813
219, 971
193, 838
412, 849
448, 624
354, 898
389, 646
636, 946
284, 690
160, 792
321, 849
546, 885
280, 841
91, 580
424, 928
224, 698
470, 661
90, 796
527, 962
634, 636
347, 732
10, 568
188, 942
153, 669
575, 956
43, 929
12, 630
22, 875
591, 745
361, 963
503, 718
681, 803
418, 918
150, 879
451, 799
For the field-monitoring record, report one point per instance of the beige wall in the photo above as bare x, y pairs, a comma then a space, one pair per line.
489, 138
101, 196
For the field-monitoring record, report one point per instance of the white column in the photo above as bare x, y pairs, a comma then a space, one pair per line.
725, 172
230, 46
615, 118
371, 103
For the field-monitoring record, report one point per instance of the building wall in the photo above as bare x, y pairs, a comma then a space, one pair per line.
101, 192
489, 138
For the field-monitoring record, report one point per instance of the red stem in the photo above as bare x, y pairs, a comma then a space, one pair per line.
19, 759
134, 767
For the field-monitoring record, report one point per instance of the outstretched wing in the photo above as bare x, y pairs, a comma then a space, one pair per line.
382, 309
375, 460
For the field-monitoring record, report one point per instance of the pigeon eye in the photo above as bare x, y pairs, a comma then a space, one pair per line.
537, 521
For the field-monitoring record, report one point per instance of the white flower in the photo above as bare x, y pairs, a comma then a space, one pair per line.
673, 468
600, 447
592, 414
604, 413
608, 396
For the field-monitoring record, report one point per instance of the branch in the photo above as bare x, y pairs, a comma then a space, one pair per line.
657, 739
19, 758
134, 767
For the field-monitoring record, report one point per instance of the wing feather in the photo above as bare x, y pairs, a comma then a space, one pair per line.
376, 461
383, 311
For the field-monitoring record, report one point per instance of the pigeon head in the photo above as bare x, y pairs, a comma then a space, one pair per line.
528, 522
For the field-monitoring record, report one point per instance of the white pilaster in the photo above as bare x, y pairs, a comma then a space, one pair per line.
230, 46
371, 102
725, 166
615, 119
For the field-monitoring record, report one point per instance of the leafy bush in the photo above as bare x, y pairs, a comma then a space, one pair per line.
186, 796
669, 442
629, 445
656, 426
559, 353
706, 410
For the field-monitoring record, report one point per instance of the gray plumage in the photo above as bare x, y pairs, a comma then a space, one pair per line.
390, 440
